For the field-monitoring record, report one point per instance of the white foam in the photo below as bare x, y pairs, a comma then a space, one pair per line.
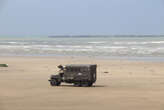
135, 43
100, 42
12, 42
130, 47
157, 42
110, 47
60, 46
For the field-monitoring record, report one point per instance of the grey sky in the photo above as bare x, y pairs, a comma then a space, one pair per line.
81, 17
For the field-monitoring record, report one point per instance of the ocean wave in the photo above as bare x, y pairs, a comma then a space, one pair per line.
97, 42
138, 43
72, 46
157, 42
12, 42
111, 47
125, 47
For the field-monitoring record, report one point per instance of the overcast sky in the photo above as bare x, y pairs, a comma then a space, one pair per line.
81, 17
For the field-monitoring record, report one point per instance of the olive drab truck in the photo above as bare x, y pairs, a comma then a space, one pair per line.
77, 74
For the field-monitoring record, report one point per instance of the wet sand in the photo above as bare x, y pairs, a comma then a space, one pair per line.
121, 85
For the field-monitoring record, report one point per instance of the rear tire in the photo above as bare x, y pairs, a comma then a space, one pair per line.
90, 84
77, 84
84, 84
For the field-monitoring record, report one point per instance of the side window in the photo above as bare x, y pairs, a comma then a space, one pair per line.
77, 69
84, 69
68, 69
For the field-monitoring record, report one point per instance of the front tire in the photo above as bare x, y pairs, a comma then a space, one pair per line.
55, 83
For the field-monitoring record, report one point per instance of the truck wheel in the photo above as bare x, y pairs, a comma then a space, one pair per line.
52, 83
55, 83
90, 84
77, 84
58, 83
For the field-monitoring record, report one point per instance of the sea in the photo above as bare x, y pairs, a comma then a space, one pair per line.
131, 47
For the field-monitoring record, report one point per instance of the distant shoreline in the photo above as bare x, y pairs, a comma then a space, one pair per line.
76, 36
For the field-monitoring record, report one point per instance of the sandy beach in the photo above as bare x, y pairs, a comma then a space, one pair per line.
121, 85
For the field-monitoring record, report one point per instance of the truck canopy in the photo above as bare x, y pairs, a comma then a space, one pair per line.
80, 65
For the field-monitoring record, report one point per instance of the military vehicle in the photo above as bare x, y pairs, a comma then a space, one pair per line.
79, 75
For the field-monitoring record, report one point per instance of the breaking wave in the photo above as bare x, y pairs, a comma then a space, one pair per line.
89, 47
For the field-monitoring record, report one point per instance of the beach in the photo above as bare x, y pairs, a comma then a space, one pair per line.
46, 43
120, 85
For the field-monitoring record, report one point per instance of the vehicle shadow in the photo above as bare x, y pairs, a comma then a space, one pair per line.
83, 86
99, 86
